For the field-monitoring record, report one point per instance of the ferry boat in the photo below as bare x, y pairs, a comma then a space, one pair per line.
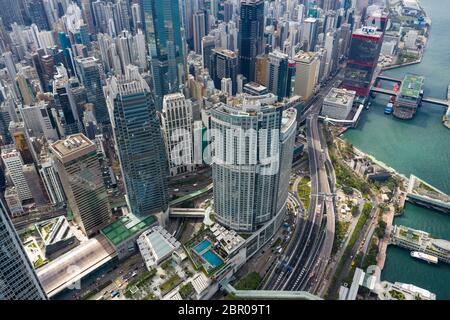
423, 256
389, 108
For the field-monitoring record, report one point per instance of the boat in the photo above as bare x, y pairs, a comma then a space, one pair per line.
423, 256
368, 105
389, 108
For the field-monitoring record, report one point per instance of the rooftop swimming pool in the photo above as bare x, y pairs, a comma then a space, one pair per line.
202, 246
213, 259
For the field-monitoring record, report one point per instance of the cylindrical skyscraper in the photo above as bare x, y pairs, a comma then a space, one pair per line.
251, 162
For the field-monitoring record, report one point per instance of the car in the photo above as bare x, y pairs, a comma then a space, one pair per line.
115, 293
194, 185
176, 190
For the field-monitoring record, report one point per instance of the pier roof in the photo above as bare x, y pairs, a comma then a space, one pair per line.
412, 85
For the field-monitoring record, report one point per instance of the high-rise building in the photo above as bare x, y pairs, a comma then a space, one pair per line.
306, 74
177, 127
90, 77
278, 74
224, 64
199, 26
139, 143
78, 166
251, 163
18, 278
309, 33
208, 43
51, 180
251, 36
10, 13
14, 166
37, 14
262, 66
363, 57
162, 25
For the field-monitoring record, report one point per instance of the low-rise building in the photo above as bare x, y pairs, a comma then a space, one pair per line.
338, 103
156, 245
56, 235
123, 233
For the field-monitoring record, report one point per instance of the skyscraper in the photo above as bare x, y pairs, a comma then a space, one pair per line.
18, 279
162, 25
309, 33
208, 43
363, 57
278, 74
37, 14
14, 165
199, 27
139, 143
223, 64
78, 166
251, 36
10, 13
252, 159
177, 129
306, 74
90, 77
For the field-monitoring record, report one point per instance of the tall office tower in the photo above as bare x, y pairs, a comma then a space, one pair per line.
309, 33
208, 43
21, 139
177, 125
37, 13
224, 64
226, 86
38, 121
378, 19
5, 40
345, 36
10, 13
330, 5
48, 68
87, 15
51, 180
71, 123
10, 65
136, 16
18, 278
227, 10
78, 166
251, 163
251, 36
277, 74
90, 77
139, 143
14, 165
363, 57
306, 74
199, 27
331, 45
262, 66
162, 25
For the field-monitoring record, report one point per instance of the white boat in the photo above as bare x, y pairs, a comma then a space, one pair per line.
423, 256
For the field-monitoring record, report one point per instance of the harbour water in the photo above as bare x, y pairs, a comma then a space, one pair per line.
421, 147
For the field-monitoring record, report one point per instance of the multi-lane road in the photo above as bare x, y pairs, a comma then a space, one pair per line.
304, 261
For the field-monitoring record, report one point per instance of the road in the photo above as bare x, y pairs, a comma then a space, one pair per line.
312, 242
363, 236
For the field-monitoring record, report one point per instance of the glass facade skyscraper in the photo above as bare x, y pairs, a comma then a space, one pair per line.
18, 281
165, 45
139, 143
251, 36
90, 76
